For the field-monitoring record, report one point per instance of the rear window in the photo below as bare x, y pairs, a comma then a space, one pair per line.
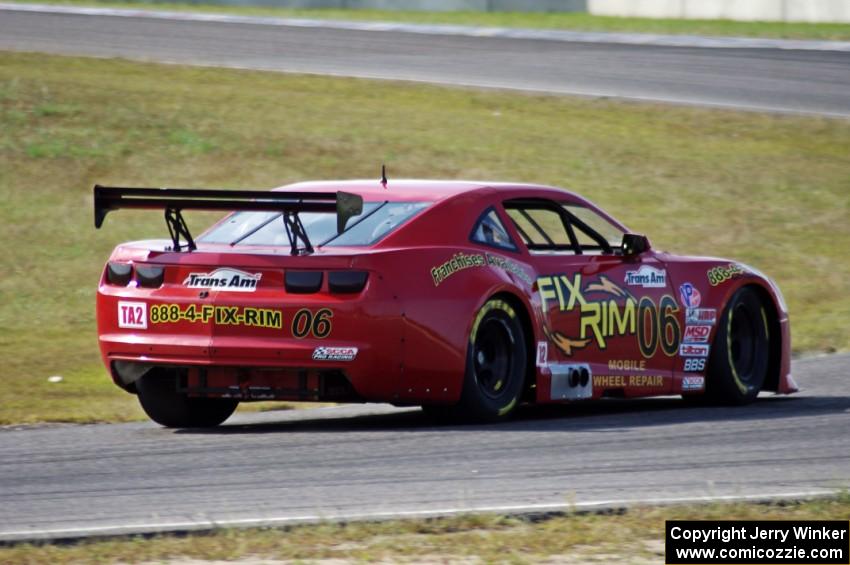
266, 228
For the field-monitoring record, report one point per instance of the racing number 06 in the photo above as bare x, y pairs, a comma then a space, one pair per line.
305, 323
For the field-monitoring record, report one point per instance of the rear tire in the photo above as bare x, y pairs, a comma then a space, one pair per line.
160, 400
739, 359
495, 364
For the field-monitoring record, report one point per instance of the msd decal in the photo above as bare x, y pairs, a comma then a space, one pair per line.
693, 350
224, 279
690, 296
696, 334
647, 277
133, 315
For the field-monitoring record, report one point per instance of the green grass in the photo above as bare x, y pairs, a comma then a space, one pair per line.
563, 20
772, 191
635, 536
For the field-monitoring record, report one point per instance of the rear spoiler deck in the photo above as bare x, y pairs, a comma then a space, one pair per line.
174, 200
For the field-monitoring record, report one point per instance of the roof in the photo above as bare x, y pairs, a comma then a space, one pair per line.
419, 190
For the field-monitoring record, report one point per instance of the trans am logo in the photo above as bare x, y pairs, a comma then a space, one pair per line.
647, 277
224, 279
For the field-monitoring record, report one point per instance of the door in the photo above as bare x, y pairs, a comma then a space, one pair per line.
614, 314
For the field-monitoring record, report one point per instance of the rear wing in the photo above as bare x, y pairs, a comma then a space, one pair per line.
174, 200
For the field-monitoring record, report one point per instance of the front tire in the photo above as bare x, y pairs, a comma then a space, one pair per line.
160, 400
739, 358
495, 364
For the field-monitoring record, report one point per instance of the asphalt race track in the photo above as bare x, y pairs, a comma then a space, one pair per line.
378, 461
375, 461
786, 80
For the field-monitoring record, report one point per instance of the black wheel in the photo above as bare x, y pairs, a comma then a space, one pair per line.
495, 364
738, 363
164, 405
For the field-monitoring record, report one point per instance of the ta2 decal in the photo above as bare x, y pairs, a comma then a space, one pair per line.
132, 315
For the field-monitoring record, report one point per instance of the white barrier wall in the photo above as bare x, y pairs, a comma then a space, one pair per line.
767, 10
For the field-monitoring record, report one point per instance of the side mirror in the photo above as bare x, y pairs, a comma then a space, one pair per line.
635, 244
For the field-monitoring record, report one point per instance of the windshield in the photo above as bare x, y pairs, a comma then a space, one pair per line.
266, 228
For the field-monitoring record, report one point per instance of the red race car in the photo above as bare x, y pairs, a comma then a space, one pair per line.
466, 298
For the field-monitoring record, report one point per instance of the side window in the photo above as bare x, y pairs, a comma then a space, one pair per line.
489, 230
549, 227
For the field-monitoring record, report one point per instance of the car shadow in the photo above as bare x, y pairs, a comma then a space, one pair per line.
613, 414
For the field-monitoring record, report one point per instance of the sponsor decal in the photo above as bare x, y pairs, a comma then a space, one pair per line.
461, 261
307, 323
622, 381
458, 262
334, 354
218, 315
647, 277
722, 273
509, 266
133, 315
626, 365
607, 311
542, 353
693, 383
695, 365
689, 295
700, 315
696, 334
693, 350
224, 279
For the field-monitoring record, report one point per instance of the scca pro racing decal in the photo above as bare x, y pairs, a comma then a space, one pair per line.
219, 315
606, 311
334, 354
224, 279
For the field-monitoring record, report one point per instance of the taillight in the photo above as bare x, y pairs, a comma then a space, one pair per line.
119, 273
303, 282
149, 277
347, 281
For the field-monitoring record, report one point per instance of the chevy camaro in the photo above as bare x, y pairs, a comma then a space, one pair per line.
466, 298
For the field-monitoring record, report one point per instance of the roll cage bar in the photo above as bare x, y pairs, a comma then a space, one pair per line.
522, 205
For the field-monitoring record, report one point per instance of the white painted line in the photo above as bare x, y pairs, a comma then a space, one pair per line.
453, 30
516, 509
